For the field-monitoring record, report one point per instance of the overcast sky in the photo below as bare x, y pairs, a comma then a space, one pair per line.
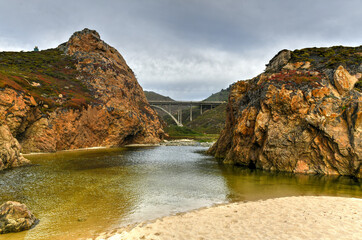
186, 49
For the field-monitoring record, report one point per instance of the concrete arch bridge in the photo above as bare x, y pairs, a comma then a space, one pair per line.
166, 106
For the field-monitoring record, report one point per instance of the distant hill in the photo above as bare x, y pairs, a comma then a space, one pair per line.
152, 96
223, 95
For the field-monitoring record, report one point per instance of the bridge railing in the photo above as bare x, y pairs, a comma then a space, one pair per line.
194, 103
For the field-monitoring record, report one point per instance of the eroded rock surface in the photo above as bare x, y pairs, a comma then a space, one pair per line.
10, 150
102, 103
15, 217
306, 120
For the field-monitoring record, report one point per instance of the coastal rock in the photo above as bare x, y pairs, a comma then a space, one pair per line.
343, 80
15, 217
10, 150
295, 121
91, 99
280, 60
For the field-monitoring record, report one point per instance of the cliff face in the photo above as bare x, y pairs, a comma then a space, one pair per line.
302, 115
82, 94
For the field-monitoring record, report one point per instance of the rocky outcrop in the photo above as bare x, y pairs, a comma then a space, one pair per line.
307, 120
343, 81
15, 217
280, 60
10, 150
92, 99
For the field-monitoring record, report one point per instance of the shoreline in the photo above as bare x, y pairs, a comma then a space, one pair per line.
176, 142
308, 217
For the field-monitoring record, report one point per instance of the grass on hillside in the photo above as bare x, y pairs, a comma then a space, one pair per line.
152, 96
176, 132
222, 95
329, 57
211, 121
44, 75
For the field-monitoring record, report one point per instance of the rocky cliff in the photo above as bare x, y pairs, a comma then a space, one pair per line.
82, 94
302, 115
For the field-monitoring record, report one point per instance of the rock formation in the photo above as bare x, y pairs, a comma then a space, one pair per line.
82, 94
302, 115
15, 217
10, 150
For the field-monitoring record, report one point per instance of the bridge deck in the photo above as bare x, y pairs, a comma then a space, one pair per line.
194, 103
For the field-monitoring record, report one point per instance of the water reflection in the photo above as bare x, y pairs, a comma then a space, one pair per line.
80, 193
247, 185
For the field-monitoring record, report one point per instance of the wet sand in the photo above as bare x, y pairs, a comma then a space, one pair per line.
304, 217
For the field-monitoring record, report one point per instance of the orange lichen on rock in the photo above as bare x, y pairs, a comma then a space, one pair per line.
294, 121
107, 107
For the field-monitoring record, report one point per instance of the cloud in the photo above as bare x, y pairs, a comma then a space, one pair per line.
186, 49
198, 72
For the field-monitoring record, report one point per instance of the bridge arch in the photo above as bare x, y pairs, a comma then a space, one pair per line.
173, 118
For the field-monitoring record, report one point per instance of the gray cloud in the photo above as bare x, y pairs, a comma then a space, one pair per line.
186, 49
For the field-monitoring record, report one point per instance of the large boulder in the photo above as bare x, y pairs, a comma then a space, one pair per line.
301, 121
10, 150
279, 60
15, 217
343, 81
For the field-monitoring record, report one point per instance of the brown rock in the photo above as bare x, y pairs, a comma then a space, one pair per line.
280, 60
120, 113
343, 81
289, 122
10, 150
15, 217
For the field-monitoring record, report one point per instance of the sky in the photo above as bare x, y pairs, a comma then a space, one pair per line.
186, 49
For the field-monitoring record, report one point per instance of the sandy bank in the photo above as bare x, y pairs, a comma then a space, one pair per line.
281, 218
176, 142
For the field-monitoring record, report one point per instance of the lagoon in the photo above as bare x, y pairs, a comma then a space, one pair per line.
79, 194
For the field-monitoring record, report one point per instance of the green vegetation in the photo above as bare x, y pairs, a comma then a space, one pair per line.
46, 75
152, 96
211, 122
223, 95
329, 57
176, 132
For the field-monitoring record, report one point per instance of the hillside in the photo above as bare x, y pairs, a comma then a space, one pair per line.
45, 75
152, 96
81, 94
211, 121
222, 95
302, 115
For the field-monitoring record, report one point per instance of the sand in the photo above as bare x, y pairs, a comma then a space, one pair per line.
281, 218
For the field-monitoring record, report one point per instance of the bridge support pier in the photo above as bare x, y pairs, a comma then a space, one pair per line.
179, 114
190, 113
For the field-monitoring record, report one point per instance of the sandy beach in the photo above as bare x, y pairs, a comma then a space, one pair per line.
304, 217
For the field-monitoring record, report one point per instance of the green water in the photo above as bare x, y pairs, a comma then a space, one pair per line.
82, 193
